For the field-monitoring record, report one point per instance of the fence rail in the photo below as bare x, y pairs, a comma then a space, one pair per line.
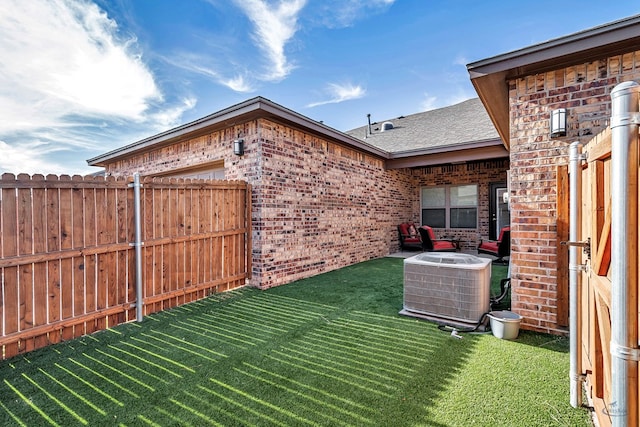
67, 262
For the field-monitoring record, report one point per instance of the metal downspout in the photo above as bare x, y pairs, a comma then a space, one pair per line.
138, 246
575, 178
624, 165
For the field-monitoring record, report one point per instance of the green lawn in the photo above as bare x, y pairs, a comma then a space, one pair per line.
326, 351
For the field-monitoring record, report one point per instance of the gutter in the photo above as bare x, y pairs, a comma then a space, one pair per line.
446, 148
519, 62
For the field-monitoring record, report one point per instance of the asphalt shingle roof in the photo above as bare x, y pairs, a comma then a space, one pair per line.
458, 124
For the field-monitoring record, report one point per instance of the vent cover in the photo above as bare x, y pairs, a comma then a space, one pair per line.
386, 126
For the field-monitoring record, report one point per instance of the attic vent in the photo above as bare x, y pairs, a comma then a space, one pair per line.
386, 126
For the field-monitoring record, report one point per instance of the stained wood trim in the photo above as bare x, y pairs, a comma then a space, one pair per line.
602, 259
599, 148
562, 221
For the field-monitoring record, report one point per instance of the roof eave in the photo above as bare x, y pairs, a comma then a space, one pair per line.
253, 108
467, 152
489, 76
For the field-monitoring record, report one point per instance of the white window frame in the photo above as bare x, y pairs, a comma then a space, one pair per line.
447, 204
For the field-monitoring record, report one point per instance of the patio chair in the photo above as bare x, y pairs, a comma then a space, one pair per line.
409, 237
499, 248
431, 244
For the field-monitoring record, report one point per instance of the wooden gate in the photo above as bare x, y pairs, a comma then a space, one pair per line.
594, 289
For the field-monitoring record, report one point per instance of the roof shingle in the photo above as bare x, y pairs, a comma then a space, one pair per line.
463, 123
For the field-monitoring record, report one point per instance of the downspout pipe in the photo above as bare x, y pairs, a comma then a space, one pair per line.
624, 238
138, 245
575, 181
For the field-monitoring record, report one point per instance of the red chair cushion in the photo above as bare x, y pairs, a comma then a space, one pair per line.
442, 245
404, 229
502, 232
489, 246
412, 240
430, 230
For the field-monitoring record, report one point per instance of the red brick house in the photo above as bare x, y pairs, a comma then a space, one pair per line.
520, 89
323, 199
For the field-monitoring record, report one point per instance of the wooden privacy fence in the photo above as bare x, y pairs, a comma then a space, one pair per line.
67, 256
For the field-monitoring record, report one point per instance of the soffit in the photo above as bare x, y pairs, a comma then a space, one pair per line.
490, 76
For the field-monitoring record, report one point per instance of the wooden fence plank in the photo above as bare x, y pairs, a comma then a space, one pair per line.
248, 219
53, 292
11, 300
562, 201
91, 216
77, 206
25, 247
78, 292
53, 217
122, 216
90, 233
40, 275
91, 284
188, 246
66, 294
25, 222
65, 215
602, 258
102, 233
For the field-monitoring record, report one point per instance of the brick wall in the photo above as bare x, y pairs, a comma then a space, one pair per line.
317, 205
585, 91
482, 173
321, 206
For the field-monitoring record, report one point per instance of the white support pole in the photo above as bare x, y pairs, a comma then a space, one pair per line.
624, 165
138, 246
575, 180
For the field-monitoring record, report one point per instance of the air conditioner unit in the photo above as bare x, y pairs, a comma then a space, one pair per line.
449, 288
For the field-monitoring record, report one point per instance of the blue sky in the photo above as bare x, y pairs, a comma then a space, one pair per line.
79, 78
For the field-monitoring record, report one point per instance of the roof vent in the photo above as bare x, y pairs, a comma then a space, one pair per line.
386, 126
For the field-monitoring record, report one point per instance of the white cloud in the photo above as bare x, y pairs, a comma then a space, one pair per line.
340, 93
31, 158
274, 27
343, 13
63, 57
428, 103
431, 102
69, 82
203, 65
170, 116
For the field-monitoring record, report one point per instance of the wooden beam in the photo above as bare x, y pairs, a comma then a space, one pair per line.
562, 221
602, 259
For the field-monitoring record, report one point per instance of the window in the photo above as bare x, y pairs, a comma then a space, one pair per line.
450, 206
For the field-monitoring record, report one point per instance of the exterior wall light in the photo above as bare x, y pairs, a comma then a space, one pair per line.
558, 122
238, 147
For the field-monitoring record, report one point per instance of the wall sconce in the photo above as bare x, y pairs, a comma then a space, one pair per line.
558, 122
238, 147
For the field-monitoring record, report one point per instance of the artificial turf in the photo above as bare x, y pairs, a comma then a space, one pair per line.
330, 350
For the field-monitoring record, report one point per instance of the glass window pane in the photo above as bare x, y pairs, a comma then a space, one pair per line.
463, 217
433, 197
434, 218
464, 195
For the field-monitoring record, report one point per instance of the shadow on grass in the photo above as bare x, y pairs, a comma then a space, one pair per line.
330, 350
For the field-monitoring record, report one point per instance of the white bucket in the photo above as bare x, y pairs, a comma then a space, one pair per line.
505, 324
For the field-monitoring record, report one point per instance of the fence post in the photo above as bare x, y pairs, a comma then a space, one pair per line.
575, 345
624, 240
138, 246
